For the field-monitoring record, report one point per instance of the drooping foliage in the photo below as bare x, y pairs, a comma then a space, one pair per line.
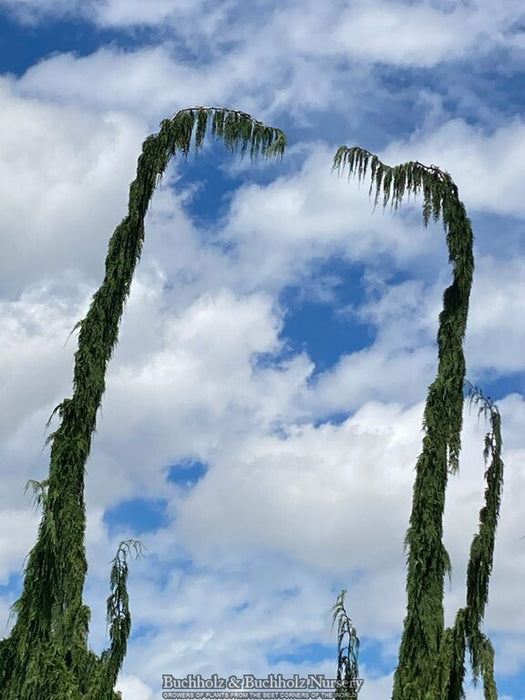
46, 655
348, 682
431, 662
466, 632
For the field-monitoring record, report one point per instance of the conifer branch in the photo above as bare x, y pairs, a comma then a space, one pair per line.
347, 655
481, 558
39, 489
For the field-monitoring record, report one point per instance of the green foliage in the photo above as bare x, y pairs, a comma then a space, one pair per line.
466, 632
347, 655
47, 655
431, 659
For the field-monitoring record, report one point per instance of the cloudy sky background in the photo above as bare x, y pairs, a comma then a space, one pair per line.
263, 410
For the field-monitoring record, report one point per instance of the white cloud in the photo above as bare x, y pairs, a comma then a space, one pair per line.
292, 494
34, 359
389, 32
154, 83
280, 229
495, 335
64, 174
196, 392
373, 373
143, 82
132, 688
123, 13
14, 549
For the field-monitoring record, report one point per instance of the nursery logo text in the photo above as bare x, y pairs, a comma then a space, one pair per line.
247, 687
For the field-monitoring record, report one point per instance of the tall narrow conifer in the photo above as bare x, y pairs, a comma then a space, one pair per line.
46, 655
431, 660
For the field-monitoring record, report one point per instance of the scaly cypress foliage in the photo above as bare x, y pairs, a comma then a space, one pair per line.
348, 683
417, 676
47, 655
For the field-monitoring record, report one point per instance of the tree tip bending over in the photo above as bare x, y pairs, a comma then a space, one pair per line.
431, 659
47, 654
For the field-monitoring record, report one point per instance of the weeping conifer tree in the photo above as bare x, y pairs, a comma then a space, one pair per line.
431, 659
47, 654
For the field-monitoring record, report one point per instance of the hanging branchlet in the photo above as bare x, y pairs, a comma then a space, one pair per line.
481, 558
46, 654
416, 676
451, 671
39, 490
348, 683
118, 615
482, 549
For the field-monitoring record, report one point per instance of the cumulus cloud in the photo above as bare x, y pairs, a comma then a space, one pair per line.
389, 32
292, 493
133, 688
291, 60
154, 82
64, 175
495, 338
280, 229
13, 549
281, 504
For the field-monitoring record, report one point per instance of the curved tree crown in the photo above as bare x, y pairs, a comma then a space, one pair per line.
47, 655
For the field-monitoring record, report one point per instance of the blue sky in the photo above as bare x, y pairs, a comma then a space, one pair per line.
263, 410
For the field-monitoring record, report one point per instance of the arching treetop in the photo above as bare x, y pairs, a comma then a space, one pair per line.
393, 182
238, 130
